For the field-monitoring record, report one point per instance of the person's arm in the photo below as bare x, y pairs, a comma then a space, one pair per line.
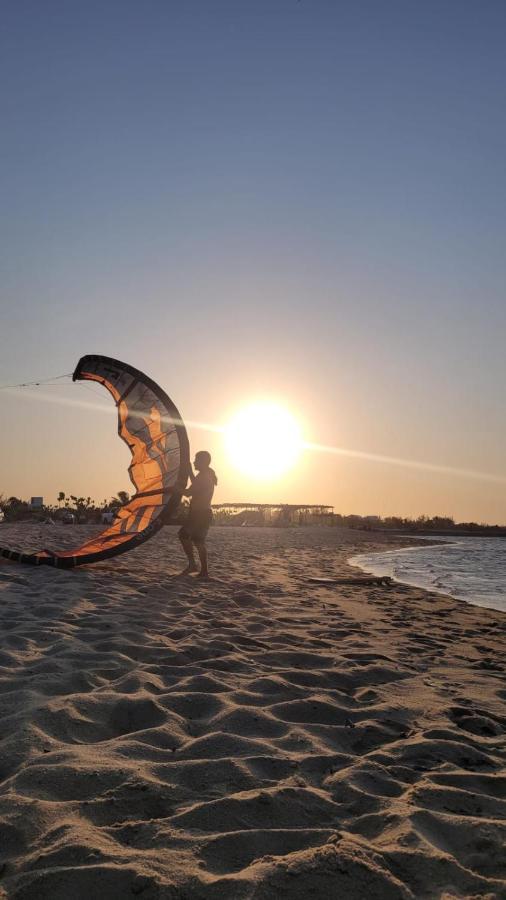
191, 475
188, 491
197, 486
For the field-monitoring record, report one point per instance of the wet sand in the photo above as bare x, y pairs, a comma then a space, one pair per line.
258, 736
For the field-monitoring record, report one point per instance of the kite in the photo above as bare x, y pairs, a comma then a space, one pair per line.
150, 424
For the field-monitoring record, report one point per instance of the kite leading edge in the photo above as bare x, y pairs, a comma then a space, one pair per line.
151, 425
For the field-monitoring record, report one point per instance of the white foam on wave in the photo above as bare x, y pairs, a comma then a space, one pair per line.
471, 569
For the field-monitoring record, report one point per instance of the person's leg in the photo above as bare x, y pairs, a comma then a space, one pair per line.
187, 545
202, 552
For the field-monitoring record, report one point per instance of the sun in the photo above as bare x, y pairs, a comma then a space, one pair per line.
263, 441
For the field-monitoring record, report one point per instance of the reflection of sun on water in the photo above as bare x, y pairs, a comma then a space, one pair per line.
263, 441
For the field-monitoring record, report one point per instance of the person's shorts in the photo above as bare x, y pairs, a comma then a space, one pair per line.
196, 526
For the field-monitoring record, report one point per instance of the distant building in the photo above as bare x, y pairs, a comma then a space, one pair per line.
37, 502
279, 514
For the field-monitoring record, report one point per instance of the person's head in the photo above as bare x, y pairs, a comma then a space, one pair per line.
202, 460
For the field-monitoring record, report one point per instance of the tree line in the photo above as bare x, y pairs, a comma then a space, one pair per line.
421, 524
84, 509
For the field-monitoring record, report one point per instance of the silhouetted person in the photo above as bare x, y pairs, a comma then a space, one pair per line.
194, 531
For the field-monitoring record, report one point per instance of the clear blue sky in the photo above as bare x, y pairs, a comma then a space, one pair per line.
304, 199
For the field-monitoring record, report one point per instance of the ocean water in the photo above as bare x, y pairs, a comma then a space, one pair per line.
472, 569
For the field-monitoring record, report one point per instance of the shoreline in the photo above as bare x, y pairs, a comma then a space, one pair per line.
251, 737
378, 570
382, 562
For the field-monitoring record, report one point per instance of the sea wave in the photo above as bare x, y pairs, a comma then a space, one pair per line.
471, 569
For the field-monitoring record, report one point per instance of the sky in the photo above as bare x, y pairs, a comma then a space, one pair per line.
300, 201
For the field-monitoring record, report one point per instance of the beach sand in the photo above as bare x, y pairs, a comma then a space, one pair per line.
257, 736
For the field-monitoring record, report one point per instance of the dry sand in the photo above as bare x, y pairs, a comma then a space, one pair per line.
254, 737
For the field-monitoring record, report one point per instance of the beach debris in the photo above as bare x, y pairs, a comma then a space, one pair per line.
359, 580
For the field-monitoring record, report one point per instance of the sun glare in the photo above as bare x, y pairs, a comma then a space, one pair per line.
263, 441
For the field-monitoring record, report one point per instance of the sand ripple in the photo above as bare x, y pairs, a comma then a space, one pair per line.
254, 737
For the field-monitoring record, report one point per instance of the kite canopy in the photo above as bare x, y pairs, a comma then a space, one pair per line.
150, 424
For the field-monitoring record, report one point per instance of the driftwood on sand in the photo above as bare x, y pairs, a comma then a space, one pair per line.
359, 580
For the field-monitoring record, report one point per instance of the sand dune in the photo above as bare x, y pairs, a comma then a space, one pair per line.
257, 736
